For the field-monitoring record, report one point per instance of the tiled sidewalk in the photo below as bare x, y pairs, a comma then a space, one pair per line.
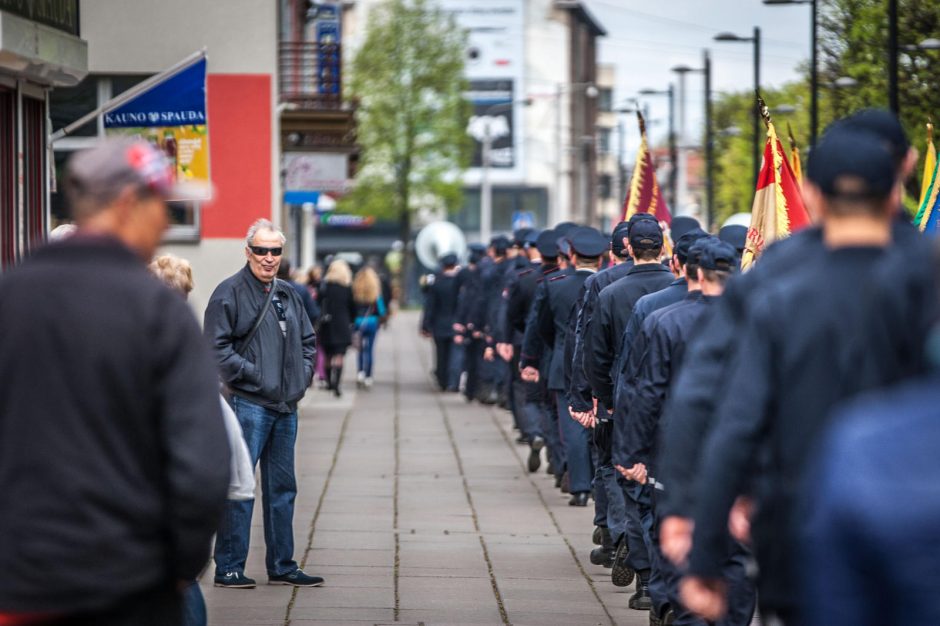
416, 507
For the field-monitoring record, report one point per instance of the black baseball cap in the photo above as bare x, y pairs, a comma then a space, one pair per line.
448, 260
694, 254
851, 164
621, 231
718, 255
681, 225
588, 242
519, 236
640, 217
685, 242
499, 243
546, 243
885, 125
645, 234
477, 252
735, 234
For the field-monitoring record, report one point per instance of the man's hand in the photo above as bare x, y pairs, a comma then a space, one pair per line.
675, 539
477, 334
704, 597
505, 351
458, 339
489, 354
458, 328
739, 519
529, 374
425, 333
636, 473
585, 418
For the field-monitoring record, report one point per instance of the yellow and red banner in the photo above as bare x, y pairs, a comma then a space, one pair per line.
778, 204
644, 194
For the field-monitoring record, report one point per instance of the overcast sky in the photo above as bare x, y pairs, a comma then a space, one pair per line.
646, 38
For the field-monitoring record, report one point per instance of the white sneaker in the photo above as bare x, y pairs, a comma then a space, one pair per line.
360, 378
369, 383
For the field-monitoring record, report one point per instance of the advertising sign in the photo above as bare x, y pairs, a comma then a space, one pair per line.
172, 116
315, 171
493, 109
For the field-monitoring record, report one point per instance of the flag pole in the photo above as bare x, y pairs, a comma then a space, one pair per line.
129, 95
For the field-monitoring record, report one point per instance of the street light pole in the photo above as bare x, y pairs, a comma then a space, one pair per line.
709, 145
893, 102
673, 158
755, 39
814, 66
486, 190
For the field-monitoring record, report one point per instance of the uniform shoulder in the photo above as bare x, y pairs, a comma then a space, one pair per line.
555, 279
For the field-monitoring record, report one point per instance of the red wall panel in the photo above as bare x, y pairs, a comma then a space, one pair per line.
239, 152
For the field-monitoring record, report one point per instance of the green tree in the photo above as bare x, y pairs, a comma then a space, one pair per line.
407, 79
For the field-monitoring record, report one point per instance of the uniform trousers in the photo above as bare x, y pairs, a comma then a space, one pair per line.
473, 355
443, 347
455, 368
606, 487
577, 442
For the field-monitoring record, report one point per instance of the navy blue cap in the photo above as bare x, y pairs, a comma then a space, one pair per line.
621, 232
531, 237
519, 236
718, 255
477, 252
852, 165
640, 217
588, 242
646, 235
681, 225
448, 260
885, 125
563, 228
695, 251
564, 246
735, 234
546, 243
685, 242
499, 243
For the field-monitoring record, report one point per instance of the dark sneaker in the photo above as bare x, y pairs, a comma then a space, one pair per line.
535, 453
234, 580
598, 537
297, 578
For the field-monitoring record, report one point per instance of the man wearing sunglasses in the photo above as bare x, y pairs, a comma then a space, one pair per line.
265, 347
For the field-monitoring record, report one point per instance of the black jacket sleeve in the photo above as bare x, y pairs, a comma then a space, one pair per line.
599, 351
220, 323
650, 385
579, 390
193, 438
733, 443
532, 346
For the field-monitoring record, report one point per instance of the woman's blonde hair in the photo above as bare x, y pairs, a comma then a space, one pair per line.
339, 273
175, 272
366, 286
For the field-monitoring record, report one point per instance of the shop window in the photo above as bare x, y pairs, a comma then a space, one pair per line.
70, 104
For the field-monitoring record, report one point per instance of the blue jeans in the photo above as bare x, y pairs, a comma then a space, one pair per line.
270, 437
367, 330
577, 441
455, 367
194, 606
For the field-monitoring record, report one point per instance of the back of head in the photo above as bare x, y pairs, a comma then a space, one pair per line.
366, 286
339, 273
175, 272
884, 125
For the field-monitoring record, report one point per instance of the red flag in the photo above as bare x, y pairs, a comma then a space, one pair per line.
644, 194
778, 205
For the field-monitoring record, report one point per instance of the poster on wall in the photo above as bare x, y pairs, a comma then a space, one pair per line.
492, 109
171, 115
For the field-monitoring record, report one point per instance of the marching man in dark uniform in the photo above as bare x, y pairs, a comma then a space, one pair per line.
552, 317
468, 336
440, 310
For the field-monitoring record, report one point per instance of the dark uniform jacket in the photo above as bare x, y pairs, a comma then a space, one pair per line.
809, 342
115, 463
665, 334
511, 322
440, 306
273, 371
468, 294
535, 352
614, 307
553, 314
579, 390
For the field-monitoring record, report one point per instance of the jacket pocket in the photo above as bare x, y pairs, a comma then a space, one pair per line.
252, 379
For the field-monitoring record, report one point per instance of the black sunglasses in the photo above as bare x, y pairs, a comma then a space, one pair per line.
262, 251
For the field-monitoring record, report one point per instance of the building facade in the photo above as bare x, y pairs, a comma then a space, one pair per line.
40, 49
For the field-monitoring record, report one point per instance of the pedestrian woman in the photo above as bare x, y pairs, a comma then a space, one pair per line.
336, 320
314, 281
370, 310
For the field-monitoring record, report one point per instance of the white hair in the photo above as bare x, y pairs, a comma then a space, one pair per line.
263, 224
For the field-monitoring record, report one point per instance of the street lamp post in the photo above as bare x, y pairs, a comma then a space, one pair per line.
755, 39
673, 158
682, 70
813, 70
486, 151
591, 91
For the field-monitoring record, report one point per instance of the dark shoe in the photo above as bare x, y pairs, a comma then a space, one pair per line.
297, 578
641, 601
597, 537
522, 440
565, 485
604, 555
558, 481
549, 469
621, 574
535, 453
579, 499
234, 580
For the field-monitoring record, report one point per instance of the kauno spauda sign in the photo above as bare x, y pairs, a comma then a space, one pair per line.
172, 116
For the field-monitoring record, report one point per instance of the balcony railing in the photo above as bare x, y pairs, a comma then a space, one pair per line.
310, 74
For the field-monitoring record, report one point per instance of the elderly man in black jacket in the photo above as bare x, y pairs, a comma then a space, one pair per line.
115, 461
265, 347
